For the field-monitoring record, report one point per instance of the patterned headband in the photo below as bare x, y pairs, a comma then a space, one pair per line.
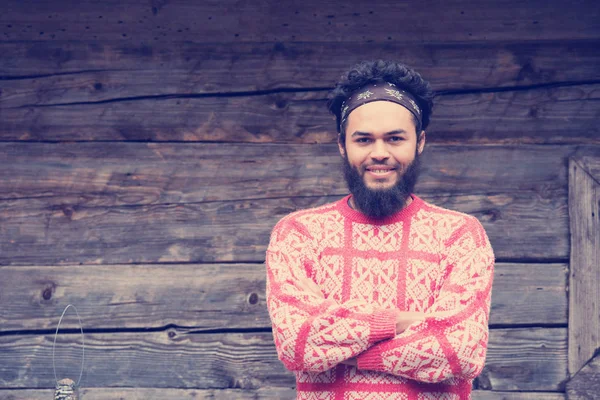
384, 91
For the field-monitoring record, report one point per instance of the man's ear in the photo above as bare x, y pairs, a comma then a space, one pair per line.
421, 142
341, 146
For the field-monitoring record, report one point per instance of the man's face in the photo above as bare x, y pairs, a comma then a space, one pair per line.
381, 157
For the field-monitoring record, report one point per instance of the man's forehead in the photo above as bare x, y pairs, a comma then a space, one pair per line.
381, 113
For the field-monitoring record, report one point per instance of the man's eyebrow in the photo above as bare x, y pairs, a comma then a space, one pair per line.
394, 132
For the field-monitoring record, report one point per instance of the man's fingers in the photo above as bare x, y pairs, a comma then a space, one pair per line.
441, 314
308, 285
353, 303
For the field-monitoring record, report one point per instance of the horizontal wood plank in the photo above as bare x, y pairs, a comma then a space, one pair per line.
517, 359
48, 72
528, 366
493, 395
113, 203
564, 114
238, 230
135, 174
212, 296
227, 21
271, 393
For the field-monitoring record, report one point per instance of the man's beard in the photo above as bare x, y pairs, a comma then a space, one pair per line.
381, 203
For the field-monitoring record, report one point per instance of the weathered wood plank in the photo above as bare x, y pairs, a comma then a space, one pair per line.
565, 114
63, 72
519, 288
227, 21
518, 359
115, 174
274, 393
493, 395
586, 383
114, 203
528, 364
584, 277
238, 230
211, 296
589, 160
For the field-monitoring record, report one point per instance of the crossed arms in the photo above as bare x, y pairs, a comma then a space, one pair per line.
315, 333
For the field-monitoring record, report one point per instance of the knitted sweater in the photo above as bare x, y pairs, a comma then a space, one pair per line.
424, 258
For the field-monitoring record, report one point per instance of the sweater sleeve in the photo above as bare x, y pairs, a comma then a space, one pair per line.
312, 333
452, 343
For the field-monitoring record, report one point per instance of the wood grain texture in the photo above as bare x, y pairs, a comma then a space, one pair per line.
518, 359
226, 21
137, 174
584, 277
586, 383
564, 114
212, 296
588, 158
43, 234
50, 72
72, 203
232, 231
493, 395
528, 365
271, 393
40, 234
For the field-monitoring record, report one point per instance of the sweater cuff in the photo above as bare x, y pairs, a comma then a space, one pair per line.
369, 361
383, 325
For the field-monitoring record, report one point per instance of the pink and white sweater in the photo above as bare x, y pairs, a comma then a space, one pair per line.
424, 258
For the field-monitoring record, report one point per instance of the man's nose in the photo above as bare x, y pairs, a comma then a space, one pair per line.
380, 150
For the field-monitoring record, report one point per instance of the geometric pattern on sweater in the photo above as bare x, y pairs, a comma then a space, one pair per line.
353, 375
379, 239
422, 280
424, 258
375, 281
374, 396
359, 395
327, 333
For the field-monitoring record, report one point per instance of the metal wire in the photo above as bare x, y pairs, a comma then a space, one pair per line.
82, 343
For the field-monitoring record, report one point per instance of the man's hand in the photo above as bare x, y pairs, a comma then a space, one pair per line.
308, 285
406, 318
441, 314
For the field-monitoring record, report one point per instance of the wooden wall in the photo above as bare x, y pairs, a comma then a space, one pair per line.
148, 147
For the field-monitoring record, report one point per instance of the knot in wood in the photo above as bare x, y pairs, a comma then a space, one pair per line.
47, 293
253, 298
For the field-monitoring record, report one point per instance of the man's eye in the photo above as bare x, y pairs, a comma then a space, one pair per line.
396, 138
363, 140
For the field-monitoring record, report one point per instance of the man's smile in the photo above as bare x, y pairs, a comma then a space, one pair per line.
380, 171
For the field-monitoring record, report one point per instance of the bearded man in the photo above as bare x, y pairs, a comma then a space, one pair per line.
380, 295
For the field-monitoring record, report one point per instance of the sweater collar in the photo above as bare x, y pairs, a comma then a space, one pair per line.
402, 215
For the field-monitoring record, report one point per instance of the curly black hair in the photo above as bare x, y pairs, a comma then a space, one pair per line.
368, 72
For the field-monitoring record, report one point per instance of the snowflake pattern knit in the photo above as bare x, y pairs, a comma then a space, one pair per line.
424, 258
